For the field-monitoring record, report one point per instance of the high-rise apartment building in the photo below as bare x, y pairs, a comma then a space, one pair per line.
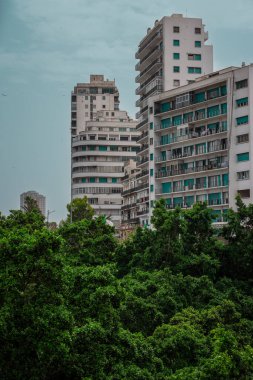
173, 53
40, 200
103, 139
202, 144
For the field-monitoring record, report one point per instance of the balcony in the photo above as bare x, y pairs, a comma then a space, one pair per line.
142, 174
176, 172
192, 153
150, 69
143, 212
148, 88
142, 136
126, 207
140, 125
192, 135
146, 48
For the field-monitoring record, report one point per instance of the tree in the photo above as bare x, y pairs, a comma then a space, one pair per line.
78, 209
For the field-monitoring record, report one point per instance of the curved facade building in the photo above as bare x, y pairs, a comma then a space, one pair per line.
103, 139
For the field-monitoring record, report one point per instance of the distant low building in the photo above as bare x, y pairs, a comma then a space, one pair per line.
39, 198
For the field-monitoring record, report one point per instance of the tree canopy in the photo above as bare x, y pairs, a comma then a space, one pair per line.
169, 303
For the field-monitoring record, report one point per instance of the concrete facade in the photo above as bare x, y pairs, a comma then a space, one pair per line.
172, 54
103, 139
202, 142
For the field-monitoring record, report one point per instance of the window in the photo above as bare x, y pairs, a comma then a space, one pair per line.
86, 106
242, 102
151, 188
242, 138
124, 138
176, 82
243, 157
166, 187
241, 84
151, 172
103, 106
103, 97
176, 56
102, 180
176, 43
197, 44
176, 69
151, 156
151, 110
102, 148
197, 30
112, 113
86, 114
194, 70
243, 175
86, 98
242, 120
151, 126
114, 180
151, 141
194, 57
244, 193
176, 29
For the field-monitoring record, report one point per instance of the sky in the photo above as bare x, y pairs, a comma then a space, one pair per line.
47, 46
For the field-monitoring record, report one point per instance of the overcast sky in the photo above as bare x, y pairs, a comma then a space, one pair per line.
47, 46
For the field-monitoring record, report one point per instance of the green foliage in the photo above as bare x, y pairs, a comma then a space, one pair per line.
170, 303
79, 209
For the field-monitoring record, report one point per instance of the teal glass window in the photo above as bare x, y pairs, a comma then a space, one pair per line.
102, 180
165, 107
223, 108
194, 70
176, 69
91, 147
243, 157
223, 90
151, 156
114, 180
151, 188
178, 201
242, 120
242, 102
151, 125
83, 147
92, 179
189, 200
114, 148
102, 148
225, 179
166, 187
213, 111
177, 120
151, 172
200, 97
197, 57
198, 44
83, 180
166, 123
176, 43
176, 56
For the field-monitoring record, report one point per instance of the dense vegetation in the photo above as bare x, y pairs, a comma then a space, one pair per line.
170, 303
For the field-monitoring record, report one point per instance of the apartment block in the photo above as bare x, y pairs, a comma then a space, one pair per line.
89, 98
172, 54
202, 143
98, 157
103, 138
39, 198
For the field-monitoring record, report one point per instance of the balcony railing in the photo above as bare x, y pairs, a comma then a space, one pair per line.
175, 172
142, 174
143, 212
